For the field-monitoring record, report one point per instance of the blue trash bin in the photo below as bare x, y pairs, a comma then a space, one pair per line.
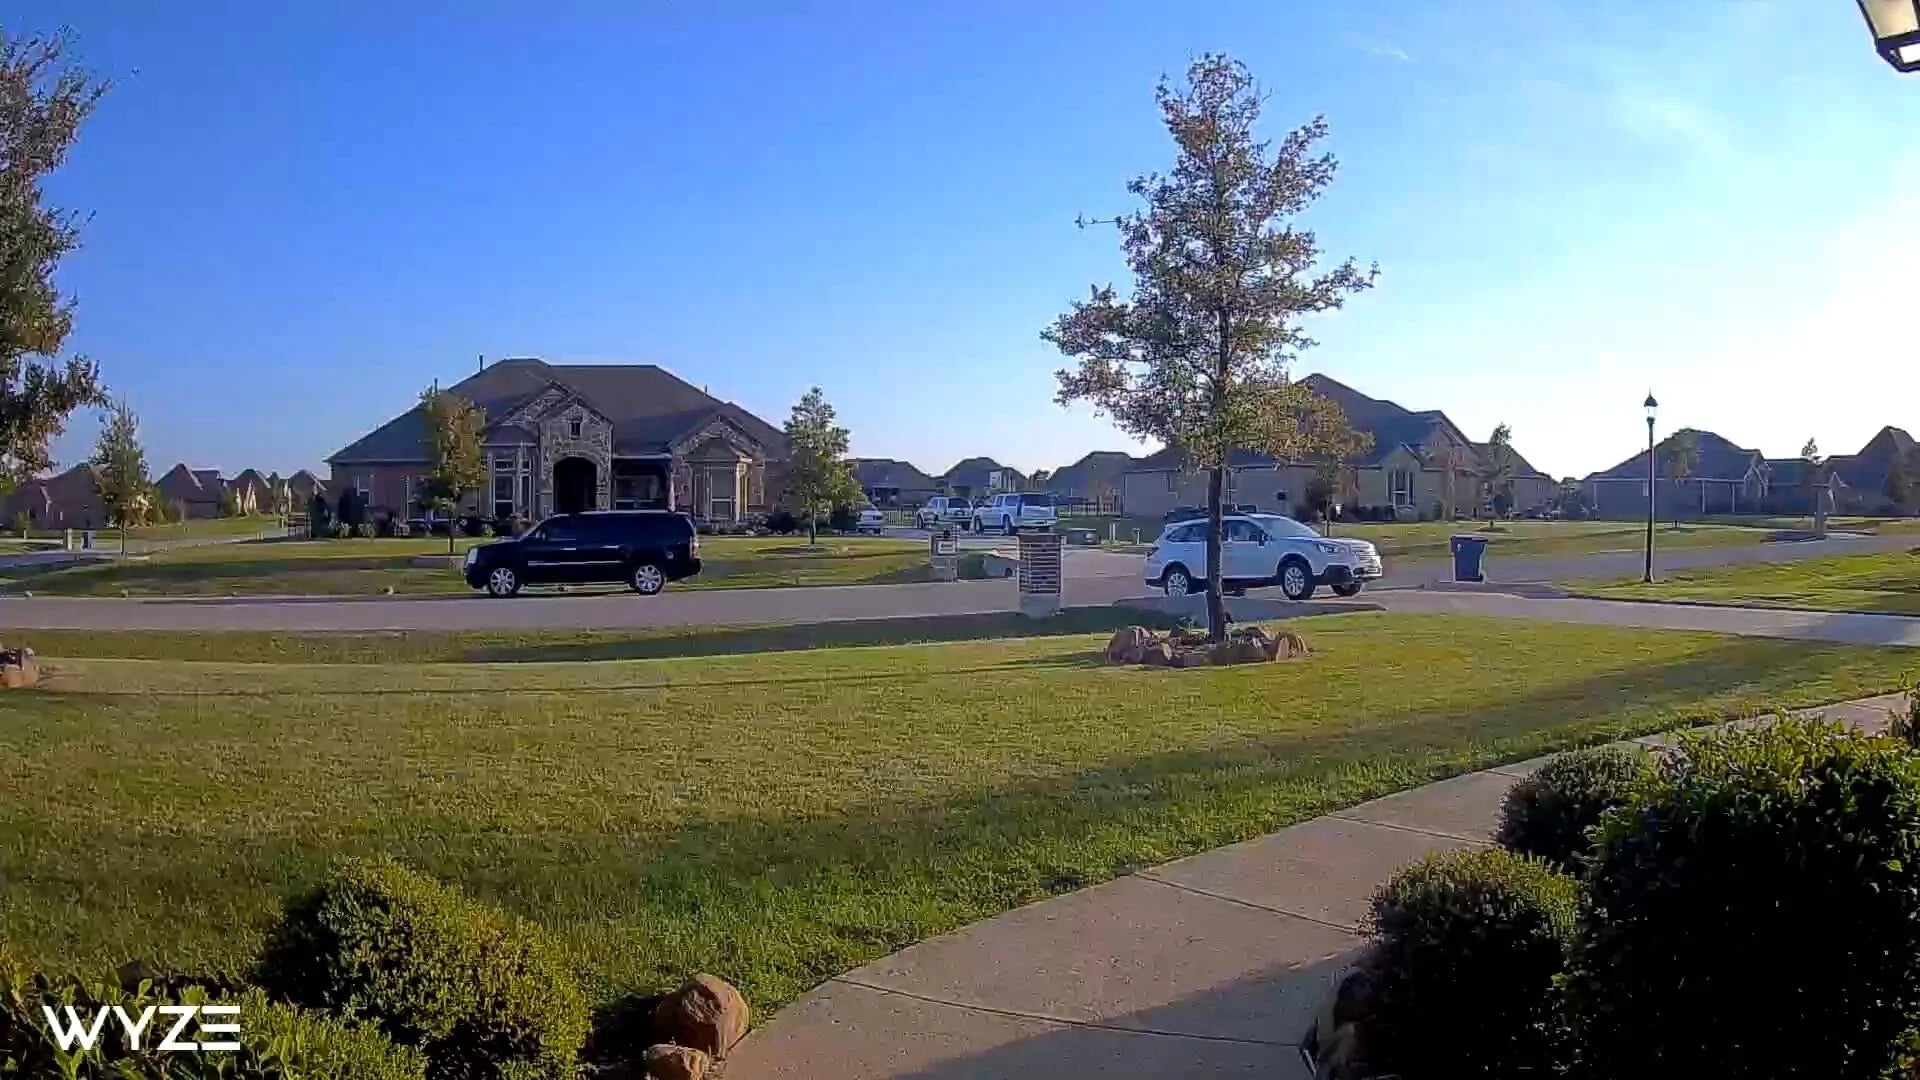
1468, 552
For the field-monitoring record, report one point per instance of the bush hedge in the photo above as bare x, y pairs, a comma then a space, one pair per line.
276, 1042
1467, 946
1755, 912
1547, 815
481, 992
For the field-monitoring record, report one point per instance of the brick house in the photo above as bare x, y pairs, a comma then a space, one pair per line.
67, 500
892, 483
191, 493
1727, 478
1419, 462
562, 438
981, 478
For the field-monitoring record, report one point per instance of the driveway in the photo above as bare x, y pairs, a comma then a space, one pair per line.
1093, 577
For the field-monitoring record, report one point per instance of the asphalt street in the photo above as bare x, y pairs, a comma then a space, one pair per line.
1092, 577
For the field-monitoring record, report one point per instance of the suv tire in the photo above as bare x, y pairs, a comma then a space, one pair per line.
1296, 578
646, 579
503, 582
1177, 581
1351, 588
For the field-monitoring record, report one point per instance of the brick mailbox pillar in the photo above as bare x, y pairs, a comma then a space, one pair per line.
1039, 574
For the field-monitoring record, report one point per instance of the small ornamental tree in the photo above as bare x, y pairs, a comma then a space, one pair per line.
1681, 453
120, 468
455, 465
1198, 356
819, 476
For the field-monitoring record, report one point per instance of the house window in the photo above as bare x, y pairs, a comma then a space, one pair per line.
1400, 482
573, 427
503, 495
720, 495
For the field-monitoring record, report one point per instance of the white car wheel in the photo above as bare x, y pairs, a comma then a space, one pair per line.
1296, 581
648, 580
1006, 527
503, 582
1178, 583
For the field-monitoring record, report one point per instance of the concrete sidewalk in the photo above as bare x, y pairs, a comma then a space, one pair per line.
1209, 966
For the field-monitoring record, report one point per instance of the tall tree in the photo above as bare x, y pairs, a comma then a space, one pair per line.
1900, 482
455, 465
1496, 472
120, 468
43, 101
819, 476
1198, 356
1681, 453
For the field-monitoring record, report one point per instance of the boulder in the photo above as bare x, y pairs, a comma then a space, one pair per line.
706, 1014
1127, 644
1334, 1040
1291, 645
18, 669
666, 1061
1192, 658
1158, 654
1240, 650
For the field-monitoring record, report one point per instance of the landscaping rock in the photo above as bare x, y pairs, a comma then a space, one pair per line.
706, 1013
1290, 645
19, 670
669, 1062
1334, 1041
1158, 654
1192, 658
1127, 644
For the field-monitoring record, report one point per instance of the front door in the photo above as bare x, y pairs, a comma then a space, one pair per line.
575, 485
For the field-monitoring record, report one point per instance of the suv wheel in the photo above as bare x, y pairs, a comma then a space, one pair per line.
1351, 588
647, 579
1006, 527
1177, 583
1296, 579
502, 581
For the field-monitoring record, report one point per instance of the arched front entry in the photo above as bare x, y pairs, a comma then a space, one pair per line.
575, 485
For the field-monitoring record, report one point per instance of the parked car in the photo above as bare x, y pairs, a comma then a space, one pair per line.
1012, 511
645, 549
944, 510
1260, 550
872, 521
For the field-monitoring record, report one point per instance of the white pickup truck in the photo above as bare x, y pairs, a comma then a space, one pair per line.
1012, 511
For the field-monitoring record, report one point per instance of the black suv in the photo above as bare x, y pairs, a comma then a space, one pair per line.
643, 548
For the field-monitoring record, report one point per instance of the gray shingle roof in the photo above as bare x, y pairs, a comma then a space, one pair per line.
973, 471
1720, 459
1101, 465
889, 473
649, 406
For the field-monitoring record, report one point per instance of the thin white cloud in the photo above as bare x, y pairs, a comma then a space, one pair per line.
1385, 50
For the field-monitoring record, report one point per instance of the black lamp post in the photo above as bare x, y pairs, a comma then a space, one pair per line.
1652, 484
1896, 31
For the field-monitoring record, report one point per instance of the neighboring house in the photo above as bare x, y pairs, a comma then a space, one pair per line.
1419, 462
1095, 479
68, 500
304, 486
1732, 479
251, 492
568, 437
192, 493
893, 483
981, 477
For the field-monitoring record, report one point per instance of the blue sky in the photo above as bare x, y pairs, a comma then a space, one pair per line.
301, 218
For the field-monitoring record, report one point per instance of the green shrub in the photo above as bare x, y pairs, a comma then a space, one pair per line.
364, 530
276, 1042
1467, 946
1755, 912
1547, 815
481, 992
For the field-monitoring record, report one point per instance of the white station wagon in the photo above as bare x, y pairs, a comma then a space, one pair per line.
1260, 550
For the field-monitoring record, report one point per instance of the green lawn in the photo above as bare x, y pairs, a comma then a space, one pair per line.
1888, 582
198, 528
779, 817
366, 567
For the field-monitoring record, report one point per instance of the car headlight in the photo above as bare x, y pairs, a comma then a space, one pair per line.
1331, 549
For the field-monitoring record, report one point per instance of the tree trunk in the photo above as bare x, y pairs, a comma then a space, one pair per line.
813, 525
1216, 596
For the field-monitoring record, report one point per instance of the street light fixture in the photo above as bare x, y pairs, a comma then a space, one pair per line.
1652, 483
1896, 31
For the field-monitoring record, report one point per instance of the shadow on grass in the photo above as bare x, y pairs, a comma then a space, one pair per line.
724, 641
780, 901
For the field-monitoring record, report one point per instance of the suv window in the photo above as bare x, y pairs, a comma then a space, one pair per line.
1242, 529
1185, 534
559, 531
1036, 500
